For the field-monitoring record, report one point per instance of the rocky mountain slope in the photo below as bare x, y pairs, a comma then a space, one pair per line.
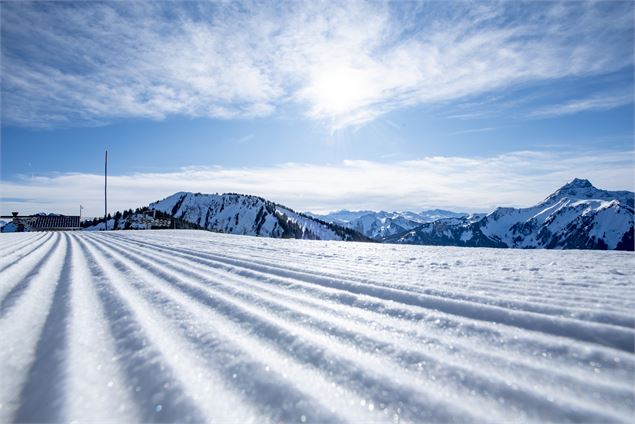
378, 225
250, 215
576, 216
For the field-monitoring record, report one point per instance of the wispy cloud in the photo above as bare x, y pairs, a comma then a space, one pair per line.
473, 130
342, 63
472, 184
582, 105
245, 138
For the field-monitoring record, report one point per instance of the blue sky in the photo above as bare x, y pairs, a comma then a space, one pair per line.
321, 106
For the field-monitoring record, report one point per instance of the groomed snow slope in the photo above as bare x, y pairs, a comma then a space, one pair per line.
196, 326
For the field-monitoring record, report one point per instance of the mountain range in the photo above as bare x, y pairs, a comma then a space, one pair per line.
378, 225
576, 216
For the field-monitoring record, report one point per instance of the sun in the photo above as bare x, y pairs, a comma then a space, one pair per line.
337, 90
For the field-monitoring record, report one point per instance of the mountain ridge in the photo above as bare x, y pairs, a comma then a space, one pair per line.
576, 216
379, 224
245, 214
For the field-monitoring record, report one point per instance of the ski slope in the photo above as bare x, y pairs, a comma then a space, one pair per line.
197, 326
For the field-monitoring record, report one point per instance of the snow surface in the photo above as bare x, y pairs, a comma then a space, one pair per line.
184, 326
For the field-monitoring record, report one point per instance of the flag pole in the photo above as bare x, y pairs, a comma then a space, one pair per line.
106, 191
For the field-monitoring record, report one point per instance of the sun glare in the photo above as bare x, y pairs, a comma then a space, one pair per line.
339, 90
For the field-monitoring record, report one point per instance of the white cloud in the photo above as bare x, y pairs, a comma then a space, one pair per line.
472, 184
473, 130
343, 63
585, 104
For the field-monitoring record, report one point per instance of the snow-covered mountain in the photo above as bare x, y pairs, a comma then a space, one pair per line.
576, 216
250, 215
341, 217
377, 225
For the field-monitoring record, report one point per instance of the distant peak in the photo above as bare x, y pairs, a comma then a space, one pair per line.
578, 183
579, 188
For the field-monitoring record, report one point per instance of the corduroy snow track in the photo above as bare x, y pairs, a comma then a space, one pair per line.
185, 326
